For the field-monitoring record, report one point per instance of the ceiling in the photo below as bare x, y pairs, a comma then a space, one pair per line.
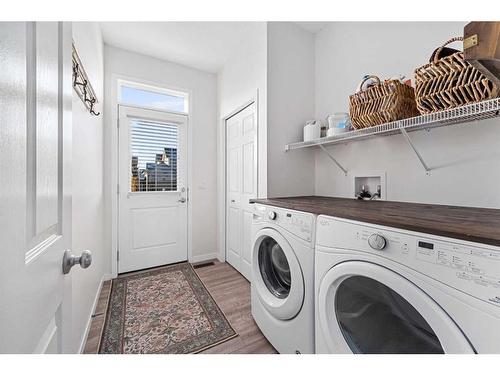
200, 45
313, 26
205, 46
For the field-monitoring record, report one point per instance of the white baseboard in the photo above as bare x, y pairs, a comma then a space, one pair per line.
94, 305
203, 257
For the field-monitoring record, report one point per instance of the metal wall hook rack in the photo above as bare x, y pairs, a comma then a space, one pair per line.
82, 85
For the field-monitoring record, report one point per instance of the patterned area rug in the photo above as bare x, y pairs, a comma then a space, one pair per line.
164, 310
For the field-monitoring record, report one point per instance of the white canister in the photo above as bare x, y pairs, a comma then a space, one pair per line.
312, 130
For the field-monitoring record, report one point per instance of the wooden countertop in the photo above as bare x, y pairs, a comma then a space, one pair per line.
480, 225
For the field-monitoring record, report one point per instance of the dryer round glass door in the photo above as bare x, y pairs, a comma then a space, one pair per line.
277, 275
367, 308
373, 318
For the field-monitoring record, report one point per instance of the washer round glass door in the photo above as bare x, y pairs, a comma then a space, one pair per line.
277, 275
366, 308
274, 268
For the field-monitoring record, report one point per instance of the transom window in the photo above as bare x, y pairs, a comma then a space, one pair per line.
140, 95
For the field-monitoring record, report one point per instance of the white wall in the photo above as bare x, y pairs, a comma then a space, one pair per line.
277, 60
202, 143
467, 157
290, 103
88, 205
243, 78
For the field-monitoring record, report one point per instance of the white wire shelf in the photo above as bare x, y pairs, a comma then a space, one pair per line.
471, 112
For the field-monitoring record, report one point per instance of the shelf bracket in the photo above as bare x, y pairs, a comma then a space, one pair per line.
333, 159
408, 139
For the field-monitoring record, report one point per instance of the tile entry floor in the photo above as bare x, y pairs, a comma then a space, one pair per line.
230, 290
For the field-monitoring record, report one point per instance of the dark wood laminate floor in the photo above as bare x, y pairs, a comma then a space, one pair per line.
230, 290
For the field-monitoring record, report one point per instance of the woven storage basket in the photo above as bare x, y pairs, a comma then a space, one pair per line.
381, 103
450, 82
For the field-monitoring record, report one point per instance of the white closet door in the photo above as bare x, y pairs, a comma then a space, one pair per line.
241, 186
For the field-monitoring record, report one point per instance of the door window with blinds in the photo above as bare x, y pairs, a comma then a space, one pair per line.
153, 148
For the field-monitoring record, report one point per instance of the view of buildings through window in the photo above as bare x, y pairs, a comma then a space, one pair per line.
154, 156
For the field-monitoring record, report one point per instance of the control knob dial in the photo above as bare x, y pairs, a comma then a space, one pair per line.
377, 242
271, 215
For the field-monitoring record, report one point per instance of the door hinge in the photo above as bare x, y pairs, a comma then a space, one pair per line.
117, 188
118, 123
117, 255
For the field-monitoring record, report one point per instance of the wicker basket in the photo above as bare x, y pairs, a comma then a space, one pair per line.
450, 82
381, 103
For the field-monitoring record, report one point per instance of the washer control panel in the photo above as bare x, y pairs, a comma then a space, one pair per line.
298, 223
469, 267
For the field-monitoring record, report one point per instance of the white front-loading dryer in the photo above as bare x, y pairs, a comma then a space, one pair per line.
282, 289
385, 290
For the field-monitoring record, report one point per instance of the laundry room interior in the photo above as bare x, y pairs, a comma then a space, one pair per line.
250, 187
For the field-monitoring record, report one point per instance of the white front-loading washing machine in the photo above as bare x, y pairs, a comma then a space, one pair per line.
282, 287
386, 290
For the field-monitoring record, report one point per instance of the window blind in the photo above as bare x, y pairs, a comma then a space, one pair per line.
154, 156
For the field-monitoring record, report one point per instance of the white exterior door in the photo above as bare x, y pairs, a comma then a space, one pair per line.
241, 186
152, 191
35, 186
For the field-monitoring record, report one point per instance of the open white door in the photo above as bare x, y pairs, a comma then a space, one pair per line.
241, 186
152, 198
35, 186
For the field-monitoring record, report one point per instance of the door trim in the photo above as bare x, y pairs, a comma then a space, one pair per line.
451, 337
116, 178
222, 180
111, 158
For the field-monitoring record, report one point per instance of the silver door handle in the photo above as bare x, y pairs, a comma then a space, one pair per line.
69, 260
182, 200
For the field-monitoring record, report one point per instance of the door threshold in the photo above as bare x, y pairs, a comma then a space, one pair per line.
122, 274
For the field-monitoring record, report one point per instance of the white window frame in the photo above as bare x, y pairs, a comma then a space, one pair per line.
154, 89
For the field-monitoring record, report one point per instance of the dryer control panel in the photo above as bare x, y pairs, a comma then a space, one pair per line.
297, 223
466, 266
